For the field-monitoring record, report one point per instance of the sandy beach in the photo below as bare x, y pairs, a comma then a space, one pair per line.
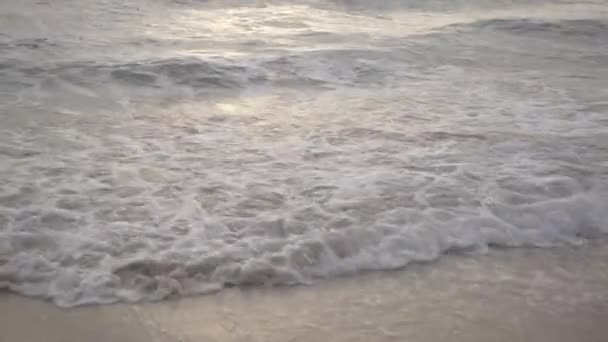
554, 295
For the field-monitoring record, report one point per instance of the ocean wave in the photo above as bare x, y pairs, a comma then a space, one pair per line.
324, 68
363, 5
191, 72
128, 263
31, 44
563, 28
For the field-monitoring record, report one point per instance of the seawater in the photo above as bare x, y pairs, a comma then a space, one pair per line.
157, 148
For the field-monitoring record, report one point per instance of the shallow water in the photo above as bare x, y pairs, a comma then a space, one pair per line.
159, 148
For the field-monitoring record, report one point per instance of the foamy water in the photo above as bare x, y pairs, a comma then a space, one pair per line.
158, 148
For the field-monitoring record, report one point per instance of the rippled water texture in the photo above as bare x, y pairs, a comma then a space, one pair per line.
158, 148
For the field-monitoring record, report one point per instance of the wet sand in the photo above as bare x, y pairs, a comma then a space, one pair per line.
552, 295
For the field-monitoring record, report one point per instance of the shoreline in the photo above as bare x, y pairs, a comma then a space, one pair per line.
556, 294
